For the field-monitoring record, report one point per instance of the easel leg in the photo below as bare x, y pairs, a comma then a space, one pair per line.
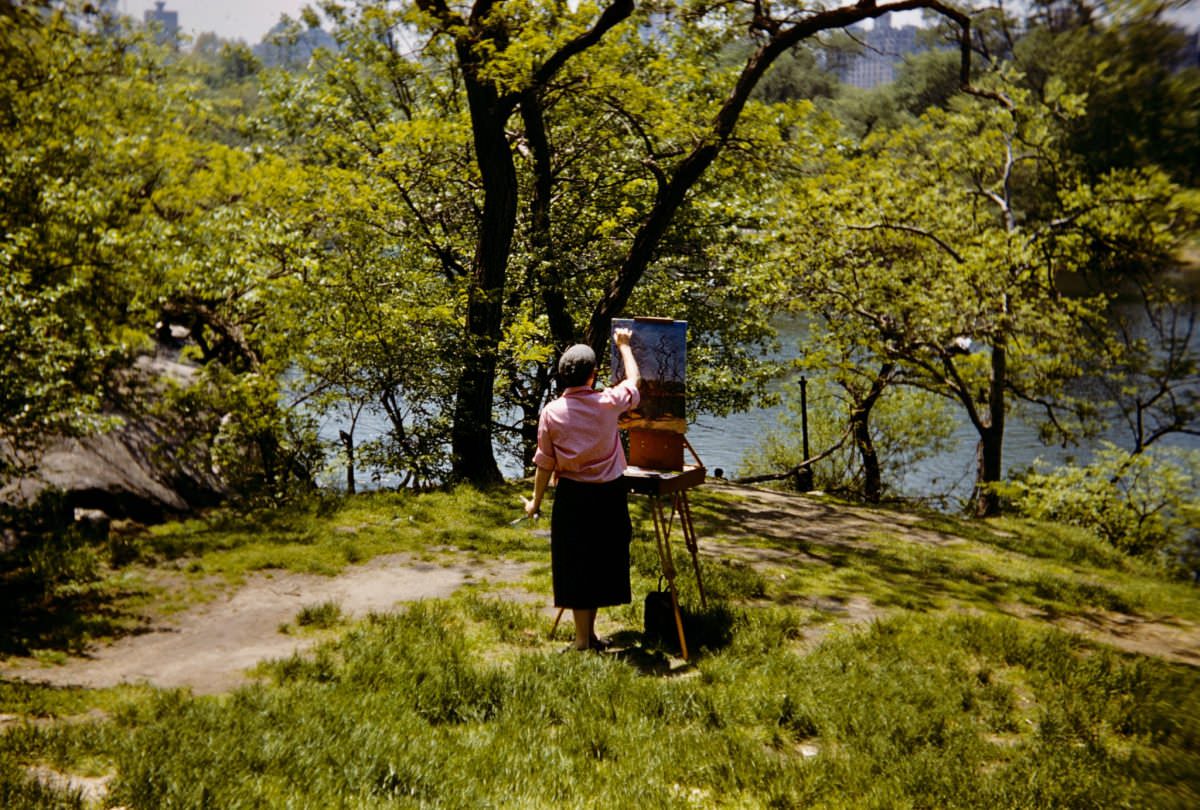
689, 539
662, 531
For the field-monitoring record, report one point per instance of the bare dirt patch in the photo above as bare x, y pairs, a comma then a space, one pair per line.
208, 649
1171, 638
801, 520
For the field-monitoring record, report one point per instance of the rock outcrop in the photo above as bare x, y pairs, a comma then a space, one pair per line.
148, 469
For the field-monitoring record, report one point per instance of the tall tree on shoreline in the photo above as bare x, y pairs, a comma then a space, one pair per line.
951, 242
511, 67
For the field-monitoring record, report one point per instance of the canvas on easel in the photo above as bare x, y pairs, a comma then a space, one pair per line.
657, 426
656, 429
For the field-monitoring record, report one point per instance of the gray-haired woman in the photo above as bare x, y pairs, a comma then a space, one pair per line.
590, 530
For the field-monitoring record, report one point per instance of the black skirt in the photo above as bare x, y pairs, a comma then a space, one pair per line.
589, 544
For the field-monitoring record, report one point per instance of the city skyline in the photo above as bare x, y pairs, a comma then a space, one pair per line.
250, 20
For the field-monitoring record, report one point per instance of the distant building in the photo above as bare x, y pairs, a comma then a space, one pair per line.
166, 23
281, 49
1189, 57
885, 48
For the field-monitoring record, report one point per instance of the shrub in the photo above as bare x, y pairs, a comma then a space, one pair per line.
1143, 504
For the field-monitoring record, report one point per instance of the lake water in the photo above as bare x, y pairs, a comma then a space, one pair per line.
948, 476
722, 442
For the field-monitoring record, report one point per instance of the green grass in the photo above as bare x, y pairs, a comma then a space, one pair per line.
323, 615
406, 710
1057, 570
324, 537
948, 698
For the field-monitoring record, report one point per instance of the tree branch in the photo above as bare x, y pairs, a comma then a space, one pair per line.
794, 471
692, 167
618, 11
913, 230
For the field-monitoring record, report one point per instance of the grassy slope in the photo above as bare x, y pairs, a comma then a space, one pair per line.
954, 691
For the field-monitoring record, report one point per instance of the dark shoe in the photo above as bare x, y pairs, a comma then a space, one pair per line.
599, 644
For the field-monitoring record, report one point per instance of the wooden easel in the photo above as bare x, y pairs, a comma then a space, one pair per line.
671, 486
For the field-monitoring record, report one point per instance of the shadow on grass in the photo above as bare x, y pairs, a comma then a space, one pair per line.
705, 631
67, 621
913, 575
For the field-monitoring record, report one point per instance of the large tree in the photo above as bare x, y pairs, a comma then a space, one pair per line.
80, 116
551, 125
948, 243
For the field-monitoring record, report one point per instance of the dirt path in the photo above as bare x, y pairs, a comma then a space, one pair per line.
209, 648
801, 523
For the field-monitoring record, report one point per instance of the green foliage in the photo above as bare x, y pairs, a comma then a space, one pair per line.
951, 239
907, 426
75, 226
592, 153
928, 79
924, 80
1142, 97
332, 230
1143, 504
795, 76
124, 205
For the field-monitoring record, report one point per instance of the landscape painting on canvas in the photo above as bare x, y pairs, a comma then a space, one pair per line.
660, 348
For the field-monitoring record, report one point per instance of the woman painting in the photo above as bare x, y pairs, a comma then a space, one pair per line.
590, 529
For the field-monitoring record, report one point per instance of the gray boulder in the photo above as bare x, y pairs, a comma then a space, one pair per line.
148, 469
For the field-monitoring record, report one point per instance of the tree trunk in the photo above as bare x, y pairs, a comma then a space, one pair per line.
547, 270
872, 479
991, 438
860, 425
471, 433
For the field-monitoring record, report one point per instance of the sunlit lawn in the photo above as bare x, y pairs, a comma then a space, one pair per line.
946, 698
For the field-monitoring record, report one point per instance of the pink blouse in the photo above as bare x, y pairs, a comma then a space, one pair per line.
577, 433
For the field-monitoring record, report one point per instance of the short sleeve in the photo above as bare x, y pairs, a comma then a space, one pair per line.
544, 456
625, 395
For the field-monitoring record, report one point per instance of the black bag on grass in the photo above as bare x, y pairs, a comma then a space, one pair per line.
659, 618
